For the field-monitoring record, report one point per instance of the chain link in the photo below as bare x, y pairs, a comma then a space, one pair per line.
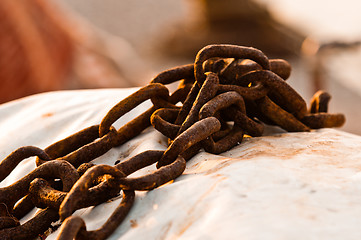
229, 91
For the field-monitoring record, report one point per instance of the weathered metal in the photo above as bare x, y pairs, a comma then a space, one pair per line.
229, 91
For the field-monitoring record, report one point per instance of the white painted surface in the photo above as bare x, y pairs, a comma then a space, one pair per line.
284, 186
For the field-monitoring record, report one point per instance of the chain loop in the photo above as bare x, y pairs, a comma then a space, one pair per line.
124, 106
229, 91
10, 162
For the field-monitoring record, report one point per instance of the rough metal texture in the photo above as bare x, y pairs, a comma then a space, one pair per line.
218, 101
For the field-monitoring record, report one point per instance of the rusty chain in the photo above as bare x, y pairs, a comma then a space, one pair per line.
228, 92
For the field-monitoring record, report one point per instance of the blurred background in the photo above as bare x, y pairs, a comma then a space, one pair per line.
49, 45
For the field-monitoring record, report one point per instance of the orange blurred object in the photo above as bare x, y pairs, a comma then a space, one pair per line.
36, 50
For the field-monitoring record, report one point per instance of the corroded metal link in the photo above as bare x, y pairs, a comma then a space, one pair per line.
254, 92
186, 81
178, 96
235, 136
207, 92
71, 227
188, 103
161, 120
254, 112
134, 127
157, 178
225, 126
181, 93
8, 222
226, 84
154, 179
281, 67
292, 101
236, 113
49, 170
319, 102
227, 51
222, 101
323, 120
168, 129
194, 134
138, 124
23, 207
32, 228
10, 162
90, 149
43, 195
239, 67
139, 161
281, 117
175, 74
74, 227
82, 185
113, 221
71, 143
6, 219
83, 168
127, 104
162, 103
251, 127
216, 65
192, 151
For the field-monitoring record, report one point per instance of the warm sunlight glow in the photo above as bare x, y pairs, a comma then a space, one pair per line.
310, 47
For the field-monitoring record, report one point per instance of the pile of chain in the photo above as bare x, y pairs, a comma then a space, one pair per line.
228, 92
